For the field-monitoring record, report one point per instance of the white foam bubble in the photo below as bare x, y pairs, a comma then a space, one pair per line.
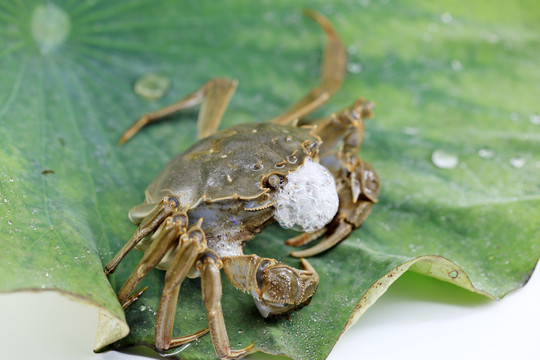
309, 200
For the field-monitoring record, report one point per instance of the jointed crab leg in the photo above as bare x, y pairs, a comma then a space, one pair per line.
306, 238
209, 267
214, 97
165, 237
191, 245
356, 200
358, 184
333, 72
166, 207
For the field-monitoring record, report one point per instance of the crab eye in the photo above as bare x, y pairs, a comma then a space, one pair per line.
273, 181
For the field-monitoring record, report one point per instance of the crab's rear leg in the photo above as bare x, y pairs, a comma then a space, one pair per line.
191, 245
214, 97
192, 251
358, 183
209, 266
332, 74
355, 202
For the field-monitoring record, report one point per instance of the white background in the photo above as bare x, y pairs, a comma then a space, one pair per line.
418, 318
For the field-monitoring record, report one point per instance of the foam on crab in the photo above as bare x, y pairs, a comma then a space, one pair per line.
309, 200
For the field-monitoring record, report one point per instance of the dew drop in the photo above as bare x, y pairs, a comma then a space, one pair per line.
517, 162
10, 222
535, 119
142, 308
152, 86
453, 274
456, 65
446, 17
486, 153
240, 331
354, 68
50, 27
444, 160
410, 131
493, 38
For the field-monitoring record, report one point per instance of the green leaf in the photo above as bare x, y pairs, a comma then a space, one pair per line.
447, 78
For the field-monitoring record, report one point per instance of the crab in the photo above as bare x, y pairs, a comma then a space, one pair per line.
211, 199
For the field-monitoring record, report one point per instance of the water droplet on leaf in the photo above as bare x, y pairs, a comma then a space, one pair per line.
517, 162
444, 160
446, 17
535, 119
456, 65
410, 131
486, 153
50, 27
354, 68
152, 86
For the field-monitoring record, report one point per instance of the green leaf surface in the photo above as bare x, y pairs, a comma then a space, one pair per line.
452, 82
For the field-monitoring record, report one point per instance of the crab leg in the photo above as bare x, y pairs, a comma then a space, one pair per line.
306, 238
214, 97
356, 200
164, 239
166, 207
332, 74
209, 266
191, 245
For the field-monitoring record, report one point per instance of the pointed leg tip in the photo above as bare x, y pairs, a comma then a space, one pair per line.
237, 354
295, 254
290, 242
304, 253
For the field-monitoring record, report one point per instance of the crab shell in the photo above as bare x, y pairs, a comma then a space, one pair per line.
224, 180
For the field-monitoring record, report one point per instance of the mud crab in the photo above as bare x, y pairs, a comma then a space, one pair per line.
208, 201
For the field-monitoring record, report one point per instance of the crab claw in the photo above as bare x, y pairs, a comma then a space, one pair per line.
283, 289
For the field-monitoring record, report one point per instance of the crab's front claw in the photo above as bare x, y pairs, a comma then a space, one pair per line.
283, 288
